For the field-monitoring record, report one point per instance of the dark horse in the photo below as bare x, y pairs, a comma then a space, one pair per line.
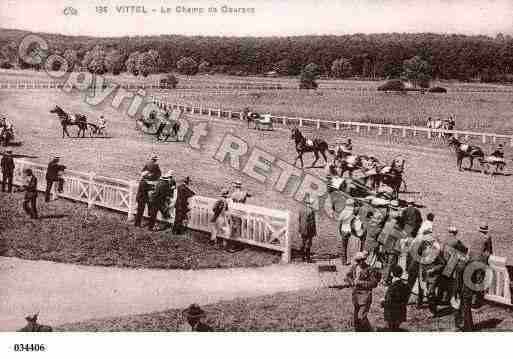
303, 145
67, 120
465, 150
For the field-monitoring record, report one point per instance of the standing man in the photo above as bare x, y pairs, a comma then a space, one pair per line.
142, 198
363, 279
390, 238
30, 189
7, 165
412, 219
238, 196
193, 315
219, 219
307, 228
153, 168
54, 174
159, 201
396, 300
344, 228
183, 194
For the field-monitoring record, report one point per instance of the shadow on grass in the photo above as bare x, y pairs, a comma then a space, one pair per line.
54, 216
491, 323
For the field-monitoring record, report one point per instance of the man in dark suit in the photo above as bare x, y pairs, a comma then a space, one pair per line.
396, 300
363, 279
159, 199
54, 174
7, 165
183, 194
142, 198
153, 168
412, 219
193, 315
479, 251
307, 228
30, 189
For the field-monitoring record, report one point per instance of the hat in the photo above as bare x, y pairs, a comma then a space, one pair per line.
361, 256
483, 229
194, 311
394, 203
427, 231
154, 156
349, 202
500, 145
397, 271
56, 157
225, 193
187, 180
169, 174
237, 183
378, 202
452, 229
9, 151
309, 200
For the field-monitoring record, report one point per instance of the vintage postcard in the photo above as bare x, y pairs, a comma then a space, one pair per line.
255, 166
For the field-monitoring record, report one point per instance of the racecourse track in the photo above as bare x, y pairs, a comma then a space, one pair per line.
464, 199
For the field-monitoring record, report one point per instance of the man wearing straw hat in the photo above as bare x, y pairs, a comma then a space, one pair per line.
30, 189
153, 168
363, 279
307, 228
193, 316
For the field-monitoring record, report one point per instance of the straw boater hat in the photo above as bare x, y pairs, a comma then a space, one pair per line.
154, 156
169, 174
238, 184
453, 229
225, 193
361, 256
350, 202
483, 229
194, 311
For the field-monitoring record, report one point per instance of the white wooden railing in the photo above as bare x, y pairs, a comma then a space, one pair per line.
500, 288
382, 129
260, 226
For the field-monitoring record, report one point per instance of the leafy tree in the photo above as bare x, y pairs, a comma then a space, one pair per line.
146, 64
94, 60
283, 67
341, 68
187, 66
308, 77
417, 71
168, 81
71, 57
114, 62
204, 67
132, 63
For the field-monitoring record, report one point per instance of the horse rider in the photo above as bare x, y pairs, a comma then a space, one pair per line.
153, 168
162, 125
344, 227
479, 251
498, 152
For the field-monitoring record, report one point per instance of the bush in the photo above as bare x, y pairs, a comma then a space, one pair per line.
168, 82
6, 65
187, 66
306, 84
437, 89
392, 85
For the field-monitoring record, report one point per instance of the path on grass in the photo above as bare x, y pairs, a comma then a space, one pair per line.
65, 293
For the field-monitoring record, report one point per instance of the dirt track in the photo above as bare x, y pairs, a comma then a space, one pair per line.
463, 199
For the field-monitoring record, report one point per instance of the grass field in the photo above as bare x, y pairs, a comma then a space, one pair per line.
462, 199
307, 310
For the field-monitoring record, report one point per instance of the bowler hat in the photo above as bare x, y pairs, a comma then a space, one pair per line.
397, 271
154, 156
9, 151
452, 229
349, 201
360, 256
169, 174
194, 311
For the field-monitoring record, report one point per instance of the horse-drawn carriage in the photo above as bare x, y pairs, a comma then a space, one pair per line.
79, 120
160, 124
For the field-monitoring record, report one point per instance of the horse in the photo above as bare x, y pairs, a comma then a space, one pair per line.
304, 145
148, 124
465, 150
78, 120
34, 326
172, 127
392, 176
490, 161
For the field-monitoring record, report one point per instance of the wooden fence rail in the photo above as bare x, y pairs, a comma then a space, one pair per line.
259, 226
382, 129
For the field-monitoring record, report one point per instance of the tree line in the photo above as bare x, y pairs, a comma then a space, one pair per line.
359, 55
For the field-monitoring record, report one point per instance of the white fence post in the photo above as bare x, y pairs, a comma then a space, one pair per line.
300, 122
284, 121
90, 196
132, 188
318, 124
380, 130
484, 138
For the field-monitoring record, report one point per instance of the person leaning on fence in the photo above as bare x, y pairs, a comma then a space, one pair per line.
159, 200
183, 194
238, 196
307, 228
7, 164
30, 189
396, 300
219, 219
363, 279
153, 168
142, 197
344, 228
54, 173
193, 316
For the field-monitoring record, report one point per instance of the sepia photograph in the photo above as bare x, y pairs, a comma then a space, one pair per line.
255, 166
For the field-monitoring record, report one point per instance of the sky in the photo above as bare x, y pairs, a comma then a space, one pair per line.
268, 18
